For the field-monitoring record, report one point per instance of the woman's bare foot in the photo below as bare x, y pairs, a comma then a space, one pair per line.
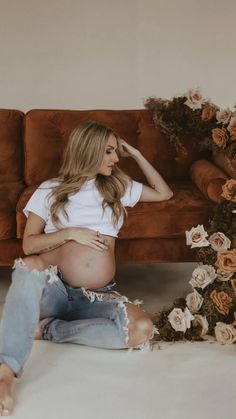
6, 384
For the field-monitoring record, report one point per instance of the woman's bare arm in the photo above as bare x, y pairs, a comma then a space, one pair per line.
36, 242
158, 190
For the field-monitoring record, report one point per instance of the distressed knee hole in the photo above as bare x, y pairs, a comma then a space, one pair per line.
144, 325
140, 330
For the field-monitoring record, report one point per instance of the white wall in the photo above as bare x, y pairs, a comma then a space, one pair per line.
112, 54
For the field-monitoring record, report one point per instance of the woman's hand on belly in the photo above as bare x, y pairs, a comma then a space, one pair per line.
88, 237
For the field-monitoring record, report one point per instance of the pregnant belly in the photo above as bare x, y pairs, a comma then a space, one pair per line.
83, 266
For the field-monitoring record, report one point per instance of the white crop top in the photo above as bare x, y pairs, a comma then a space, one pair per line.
84, 208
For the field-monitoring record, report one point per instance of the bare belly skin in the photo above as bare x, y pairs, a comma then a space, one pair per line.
83, 266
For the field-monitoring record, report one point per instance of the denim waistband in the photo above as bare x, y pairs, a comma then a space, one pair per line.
108, 287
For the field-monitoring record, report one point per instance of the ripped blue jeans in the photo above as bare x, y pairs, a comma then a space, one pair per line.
75, 315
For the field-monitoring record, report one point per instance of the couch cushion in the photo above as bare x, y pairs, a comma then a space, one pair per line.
9, 195
209, 179
9, 251
167, 219
47, 133
7, 225
11, 145
153, 250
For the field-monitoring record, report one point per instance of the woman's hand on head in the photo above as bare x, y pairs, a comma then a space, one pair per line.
88, 237
128, 150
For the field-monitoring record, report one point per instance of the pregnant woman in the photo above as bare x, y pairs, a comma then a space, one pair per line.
62, 290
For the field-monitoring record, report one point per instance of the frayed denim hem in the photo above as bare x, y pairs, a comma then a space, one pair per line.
12, 364
148, 345
51, 272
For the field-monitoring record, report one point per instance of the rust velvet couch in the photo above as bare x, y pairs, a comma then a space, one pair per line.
31, 147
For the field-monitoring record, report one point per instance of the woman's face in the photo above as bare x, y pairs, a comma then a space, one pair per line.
110, 157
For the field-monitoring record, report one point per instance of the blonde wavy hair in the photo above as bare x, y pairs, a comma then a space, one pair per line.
82, 159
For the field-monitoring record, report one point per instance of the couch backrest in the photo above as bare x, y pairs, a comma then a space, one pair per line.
11, 145
47, 132
11, 169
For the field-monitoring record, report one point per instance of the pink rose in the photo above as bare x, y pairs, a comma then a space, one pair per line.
194, 99
201, 321
194, 301
224, 116
196, 237
203, 276
180, 320
219, 241
225, 333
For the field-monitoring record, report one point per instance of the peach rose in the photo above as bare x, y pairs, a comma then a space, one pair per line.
201, 321
222, 301
219, 241
225, 333
232, 128
224, 116
194, 99
226, 261
196, 237
180, 320
229, 190
208, 112
220, 137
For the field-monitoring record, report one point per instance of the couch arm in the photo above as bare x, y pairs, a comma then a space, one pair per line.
208, 178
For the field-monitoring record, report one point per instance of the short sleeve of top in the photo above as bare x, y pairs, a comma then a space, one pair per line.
132, 194
39, 201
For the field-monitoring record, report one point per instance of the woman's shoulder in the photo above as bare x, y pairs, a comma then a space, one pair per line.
49, 184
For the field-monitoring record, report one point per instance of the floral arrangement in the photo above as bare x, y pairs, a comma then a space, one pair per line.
210, 309
197, 118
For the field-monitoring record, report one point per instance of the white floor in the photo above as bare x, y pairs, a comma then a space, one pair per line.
174, 381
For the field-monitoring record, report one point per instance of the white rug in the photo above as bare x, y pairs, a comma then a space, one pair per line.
174, 381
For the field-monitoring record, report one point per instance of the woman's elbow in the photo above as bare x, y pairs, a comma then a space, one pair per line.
26, 248
168, 195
